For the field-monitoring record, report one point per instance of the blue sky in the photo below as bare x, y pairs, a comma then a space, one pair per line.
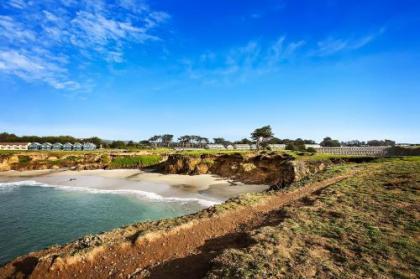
129, 69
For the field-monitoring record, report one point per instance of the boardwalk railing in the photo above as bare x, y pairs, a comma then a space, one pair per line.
355, 151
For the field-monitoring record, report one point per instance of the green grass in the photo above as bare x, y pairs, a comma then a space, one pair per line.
135, 161
366, 226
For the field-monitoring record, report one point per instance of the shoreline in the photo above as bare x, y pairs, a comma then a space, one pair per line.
206, 189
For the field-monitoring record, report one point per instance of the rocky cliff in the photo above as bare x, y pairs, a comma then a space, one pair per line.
51, 160
274, 169
278, 170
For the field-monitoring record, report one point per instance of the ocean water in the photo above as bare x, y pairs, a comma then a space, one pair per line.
35, 215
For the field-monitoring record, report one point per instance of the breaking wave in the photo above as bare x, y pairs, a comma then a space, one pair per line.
8, 186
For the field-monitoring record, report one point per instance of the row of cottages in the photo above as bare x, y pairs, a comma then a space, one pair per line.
59, 146
253, 146
231, 147
14, 145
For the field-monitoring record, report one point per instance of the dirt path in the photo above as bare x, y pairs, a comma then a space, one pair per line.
196, 262
184, 251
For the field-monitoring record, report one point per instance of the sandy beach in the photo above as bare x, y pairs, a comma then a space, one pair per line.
205, 189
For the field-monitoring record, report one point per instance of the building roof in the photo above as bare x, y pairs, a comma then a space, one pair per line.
215, 145
14, 143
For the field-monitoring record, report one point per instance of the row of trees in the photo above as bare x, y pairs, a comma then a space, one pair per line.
328, 142
261, 137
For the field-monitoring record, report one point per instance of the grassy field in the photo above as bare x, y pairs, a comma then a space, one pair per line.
367, 226
135, 161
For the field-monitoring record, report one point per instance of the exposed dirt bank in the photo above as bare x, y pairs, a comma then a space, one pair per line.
157, 249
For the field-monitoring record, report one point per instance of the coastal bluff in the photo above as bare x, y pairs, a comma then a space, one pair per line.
276, 170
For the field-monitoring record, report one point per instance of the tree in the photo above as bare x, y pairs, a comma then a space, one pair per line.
243, 141
275, 140
381, 143
328, 142
203, 141
219, 140
184, 140
118, 144
155, 139
262, 134
167, 139
353, 143
389, 142
131, 144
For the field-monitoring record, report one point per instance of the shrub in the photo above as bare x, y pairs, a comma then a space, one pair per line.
24, 159
403, 151
135, 161
311, 149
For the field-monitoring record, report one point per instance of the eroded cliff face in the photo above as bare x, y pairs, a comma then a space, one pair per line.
44, 160
275, 169
278, 170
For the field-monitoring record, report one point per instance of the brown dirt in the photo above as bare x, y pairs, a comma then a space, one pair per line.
185, 250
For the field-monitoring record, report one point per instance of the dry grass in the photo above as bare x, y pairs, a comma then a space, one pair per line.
367, 226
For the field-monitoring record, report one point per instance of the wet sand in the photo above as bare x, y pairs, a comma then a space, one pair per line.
206, 189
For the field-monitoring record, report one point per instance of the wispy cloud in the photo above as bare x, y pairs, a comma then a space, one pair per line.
331, 45
239, 63
40, 39
31, 67
18, 4
259, 57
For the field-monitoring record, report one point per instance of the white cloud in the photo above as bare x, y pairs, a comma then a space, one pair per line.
240, 63
14, 32
18, 4
332, 45
32, 68
54, 33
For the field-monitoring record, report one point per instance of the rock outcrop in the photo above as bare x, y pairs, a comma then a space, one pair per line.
275, 169
45, 160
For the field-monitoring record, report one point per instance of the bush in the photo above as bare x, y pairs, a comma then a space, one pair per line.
295, 147
24, 159
135, 161
311, 149
403, 151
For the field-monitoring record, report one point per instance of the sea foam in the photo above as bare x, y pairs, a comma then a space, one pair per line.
7, 186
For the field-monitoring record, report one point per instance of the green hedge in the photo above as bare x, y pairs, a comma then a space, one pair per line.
124, 162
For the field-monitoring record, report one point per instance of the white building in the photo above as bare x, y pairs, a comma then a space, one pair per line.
241, 146
57, 146
215, 146
67, 146
276, 146
14, 145
46, 146
77, 146
89, 146
35, 146
312, 146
